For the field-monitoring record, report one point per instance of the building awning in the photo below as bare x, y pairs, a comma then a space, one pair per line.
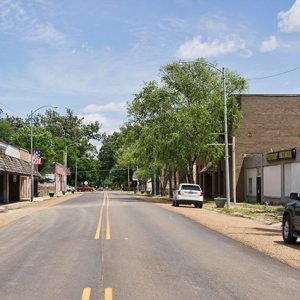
12, 165
205, 168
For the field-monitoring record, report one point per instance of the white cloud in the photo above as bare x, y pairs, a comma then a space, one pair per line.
20, 17
107, 107
272, 44
45, 33
289, 21
214, 25
171, 24
11, 13
197, 48
109, 125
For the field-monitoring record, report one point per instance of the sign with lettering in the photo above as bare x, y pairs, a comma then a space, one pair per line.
272, 156
283, 154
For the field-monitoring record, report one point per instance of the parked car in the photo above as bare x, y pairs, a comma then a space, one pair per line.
70, 188
291, 220
85, 188
188, 193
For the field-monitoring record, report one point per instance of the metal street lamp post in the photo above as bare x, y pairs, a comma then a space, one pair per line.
76, 176
31, 147
66, 163
222, 71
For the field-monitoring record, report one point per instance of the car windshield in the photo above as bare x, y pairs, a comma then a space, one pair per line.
190, 187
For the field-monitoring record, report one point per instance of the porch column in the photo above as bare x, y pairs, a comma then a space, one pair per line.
6, 188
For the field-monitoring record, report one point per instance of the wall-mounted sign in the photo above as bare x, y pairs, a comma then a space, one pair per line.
283, 154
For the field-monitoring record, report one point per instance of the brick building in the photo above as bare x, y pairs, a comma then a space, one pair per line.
53, 182
269, 123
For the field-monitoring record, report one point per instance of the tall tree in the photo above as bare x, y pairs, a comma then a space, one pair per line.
109, 170
172, 124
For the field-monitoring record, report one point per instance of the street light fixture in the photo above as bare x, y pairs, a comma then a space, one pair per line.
222, 71
31, 146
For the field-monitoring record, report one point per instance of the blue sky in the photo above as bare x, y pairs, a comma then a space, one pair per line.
93, 55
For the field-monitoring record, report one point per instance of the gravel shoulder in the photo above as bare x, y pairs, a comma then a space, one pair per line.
264, 238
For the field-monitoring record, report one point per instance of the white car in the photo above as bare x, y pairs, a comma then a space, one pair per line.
188, 193
70, 188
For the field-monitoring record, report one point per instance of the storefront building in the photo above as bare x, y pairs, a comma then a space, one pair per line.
269, 123
271, 177
53, 182
15, 173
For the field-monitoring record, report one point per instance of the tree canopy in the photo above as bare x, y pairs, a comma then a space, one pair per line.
54, 134
172, 123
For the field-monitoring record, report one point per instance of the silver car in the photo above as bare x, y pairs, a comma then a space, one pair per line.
188, 193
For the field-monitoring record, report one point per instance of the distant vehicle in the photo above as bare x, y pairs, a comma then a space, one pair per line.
188, 193
100, 189
70, 188
85, 188
291, 220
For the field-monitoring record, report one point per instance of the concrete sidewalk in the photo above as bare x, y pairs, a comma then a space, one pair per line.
23, 203
20, 204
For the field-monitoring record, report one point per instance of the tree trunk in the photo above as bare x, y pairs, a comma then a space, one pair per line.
170, 186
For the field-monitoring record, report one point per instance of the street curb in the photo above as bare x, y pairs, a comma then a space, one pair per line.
26, 203
153, 199
3, 209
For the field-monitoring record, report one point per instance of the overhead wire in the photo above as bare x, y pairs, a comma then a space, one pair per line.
275, 75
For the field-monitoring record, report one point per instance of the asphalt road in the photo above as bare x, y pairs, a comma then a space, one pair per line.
121, 248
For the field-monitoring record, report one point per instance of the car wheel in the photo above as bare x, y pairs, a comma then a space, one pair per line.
176, 203
173, 203
287, 231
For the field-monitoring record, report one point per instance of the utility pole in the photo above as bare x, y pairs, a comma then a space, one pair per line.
154, 183
226, 141
128, 179
76, 175
65, 167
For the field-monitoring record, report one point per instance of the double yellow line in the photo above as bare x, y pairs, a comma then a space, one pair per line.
87, 293
98, 231
105, 205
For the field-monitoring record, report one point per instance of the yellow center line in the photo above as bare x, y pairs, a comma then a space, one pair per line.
98, 231
108, 294
86, 294
107, 220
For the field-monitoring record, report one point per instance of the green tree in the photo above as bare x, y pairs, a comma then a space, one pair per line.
43, 140
108, 168
8, 125
6, 130
171, 124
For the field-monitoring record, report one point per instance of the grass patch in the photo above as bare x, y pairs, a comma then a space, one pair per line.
267, 213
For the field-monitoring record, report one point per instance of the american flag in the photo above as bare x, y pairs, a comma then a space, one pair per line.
36, 157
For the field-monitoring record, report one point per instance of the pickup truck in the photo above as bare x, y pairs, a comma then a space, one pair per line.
291, 220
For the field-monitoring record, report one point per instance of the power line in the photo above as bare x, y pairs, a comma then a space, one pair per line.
275, 75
